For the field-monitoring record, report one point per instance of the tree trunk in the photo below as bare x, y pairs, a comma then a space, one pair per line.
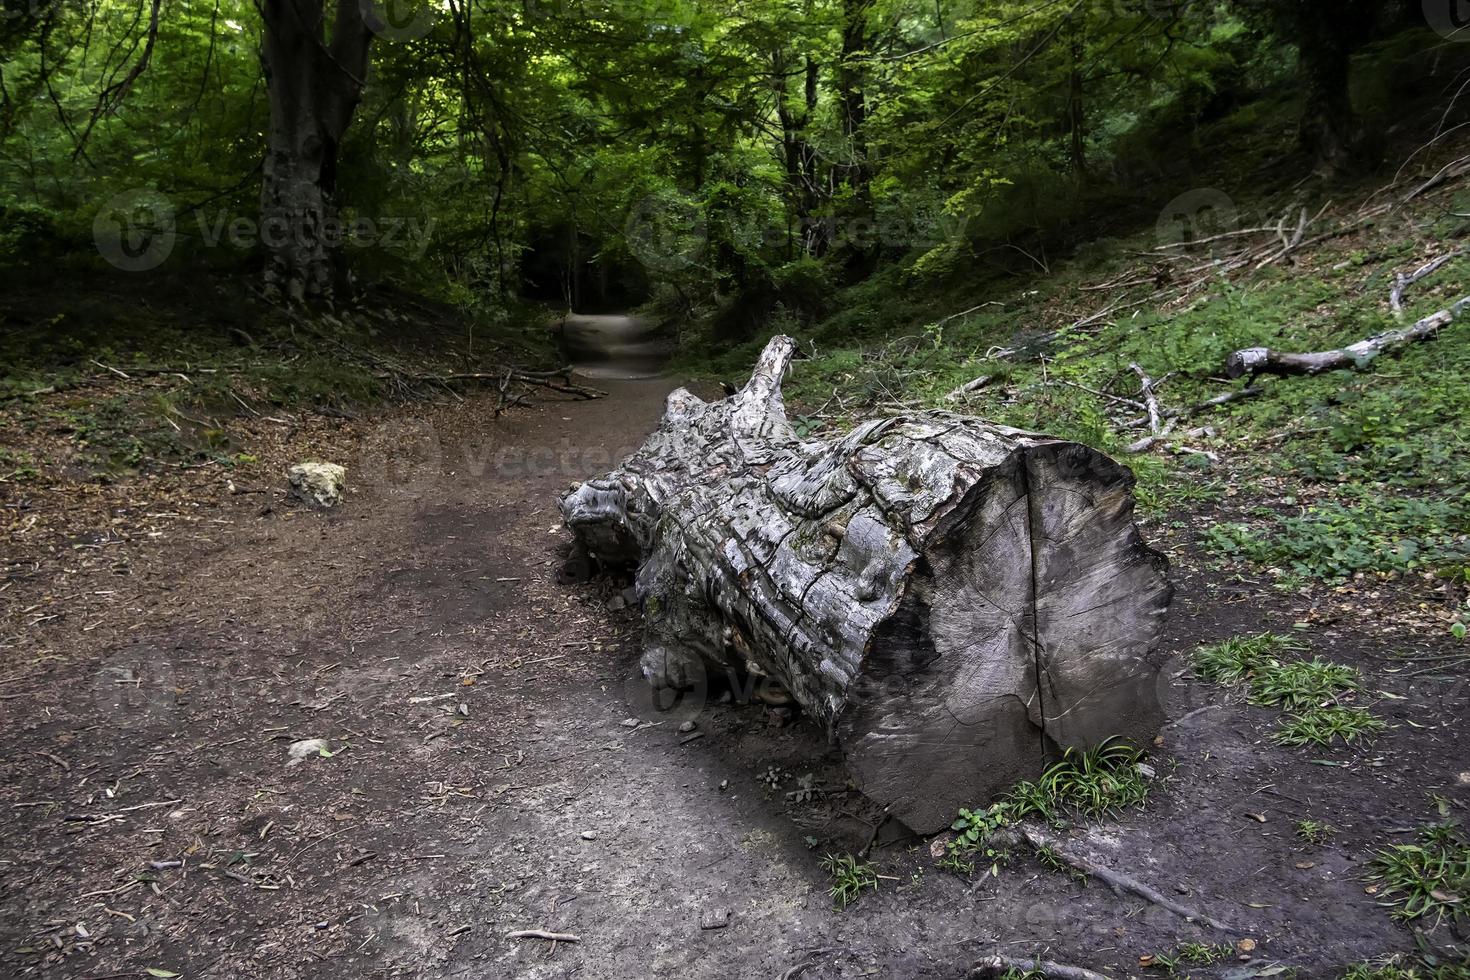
955, 601
857, 232
1076, 113
1327, 129
314, 90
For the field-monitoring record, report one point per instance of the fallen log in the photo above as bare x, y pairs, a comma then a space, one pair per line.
956, 601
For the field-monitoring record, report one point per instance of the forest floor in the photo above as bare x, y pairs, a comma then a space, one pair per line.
494, 764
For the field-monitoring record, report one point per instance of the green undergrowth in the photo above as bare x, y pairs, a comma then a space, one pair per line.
1310, 693
1099, 782
1399, 967
127, 374
1427, 880
1327, 477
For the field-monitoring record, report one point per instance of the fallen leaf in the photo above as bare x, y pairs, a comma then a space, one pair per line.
1304, 865
155, 972
1449, 898
1257, 817
1147, 960
1245, 945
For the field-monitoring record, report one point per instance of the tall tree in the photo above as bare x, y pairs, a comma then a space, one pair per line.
315, 73
1326, 36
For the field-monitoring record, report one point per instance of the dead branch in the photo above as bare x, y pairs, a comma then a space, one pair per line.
969, 388
1208, 403
1447, 173
1403, 282
998, 965
1149, 398
1256, 361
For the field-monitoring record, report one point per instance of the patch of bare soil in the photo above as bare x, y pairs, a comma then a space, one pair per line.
492, 764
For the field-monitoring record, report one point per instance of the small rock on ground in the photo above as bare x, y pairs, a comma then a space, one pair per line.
318, 484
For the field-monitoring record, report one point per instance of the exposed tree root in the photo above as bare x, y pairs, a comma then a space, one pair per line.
1120, 882
994, 966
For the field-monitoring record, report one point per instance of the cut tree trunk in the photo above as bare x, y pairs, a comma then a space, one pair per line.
955, 601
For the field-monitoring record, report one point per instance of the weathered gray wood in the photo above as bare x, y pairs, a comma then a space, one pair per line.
956, 601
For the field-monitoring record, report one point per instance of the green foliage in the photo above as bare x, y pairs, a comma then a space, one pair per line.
1237, 658
1314, 831
1301, 684
1307, 689
1333, 540
974, 829
850, 878
1399, 967
1320, 725
1101, 781
1428, 879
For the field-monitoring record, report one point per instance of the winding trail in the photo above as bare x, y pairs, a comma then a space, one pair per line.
614, 345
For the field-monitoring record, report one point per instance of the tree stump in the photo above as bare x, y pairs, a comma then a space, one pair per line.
956, 601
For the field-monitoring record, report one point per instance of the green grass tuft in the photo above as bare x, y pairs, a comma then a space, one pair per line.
850, 878
1237, 658
1320, 725
1097, 782
1428, 879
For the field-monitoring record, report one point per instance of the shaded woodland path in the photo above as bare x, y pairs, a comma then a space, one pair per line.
613, 346
484, 777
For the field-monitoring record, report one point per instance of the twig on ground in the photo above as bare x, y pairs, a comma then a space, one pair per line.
556, 937
1403, 282
1150, 399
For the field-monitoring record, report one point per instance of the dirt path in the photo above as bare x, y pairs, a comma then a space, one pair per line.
613, 346
485, 779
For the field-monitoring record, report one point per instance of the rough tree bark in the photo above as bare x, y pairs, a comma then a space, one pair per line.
315, 85
956, 601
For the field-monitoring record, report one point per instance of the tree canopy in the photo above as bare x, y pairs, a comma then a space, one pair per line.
593, 152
